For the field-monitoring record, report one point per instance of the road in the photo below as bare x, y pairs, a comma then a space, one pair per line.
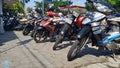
18, 51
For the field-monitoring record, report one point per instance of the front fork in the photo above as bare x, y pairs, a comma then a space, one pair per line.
64, 29
61, 35
85, 31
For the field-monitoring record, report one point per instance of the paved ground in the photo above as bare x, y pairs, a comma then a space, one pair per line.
18, 51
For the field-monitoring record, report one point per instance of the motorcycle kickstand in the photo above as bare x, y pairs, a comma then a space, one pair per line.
70, 42
113, 55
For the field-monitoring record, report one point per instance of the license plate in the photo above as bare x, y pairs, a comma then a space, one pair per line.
75, 14
67, 20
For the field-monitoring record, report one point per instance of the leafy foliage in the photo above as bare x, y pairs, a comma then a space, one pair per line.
115, 4
29, 9
55, 2
89, 7
18, 7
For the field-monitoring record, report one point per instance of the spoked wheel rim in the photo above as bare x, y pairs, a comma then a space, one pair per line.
40, 37
77, 48
26, 31
57, 43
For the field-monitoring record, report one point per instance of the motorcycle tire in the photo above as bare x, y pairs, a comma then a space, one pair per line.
77, 48
26, 31
58, 40
32, 33
39, 37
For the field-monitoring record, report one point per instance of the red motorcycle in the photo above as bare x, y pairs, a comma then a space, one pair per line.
46, 28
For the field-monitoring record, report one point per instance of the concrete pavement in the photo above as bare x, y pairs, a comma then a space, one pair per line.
18, 51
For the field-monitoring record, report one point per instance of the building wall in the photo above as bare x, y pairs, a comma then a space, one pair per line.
1, 21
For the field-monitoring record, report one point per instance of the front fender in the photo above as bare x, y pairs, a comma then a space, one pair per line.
85, 31
29, 26
39, 28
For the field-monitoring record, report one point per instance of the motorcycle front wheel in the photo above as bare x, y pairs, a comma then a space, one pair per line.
26, 30
39, 37
58, 40
77, 48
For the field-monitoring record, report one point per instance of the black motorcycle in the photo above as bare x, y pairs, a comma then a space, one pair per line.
70, 29
29, 26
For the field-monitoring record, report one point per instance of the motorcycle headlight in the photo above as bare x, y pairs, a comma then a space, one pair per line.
35, 22
54, 23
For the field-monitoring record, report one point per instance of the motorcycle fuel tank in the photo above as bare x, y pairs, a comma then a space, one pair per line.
79, 21
92, 17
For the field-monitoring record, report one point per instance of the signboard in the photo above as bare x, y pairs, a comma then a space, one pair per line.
48, 0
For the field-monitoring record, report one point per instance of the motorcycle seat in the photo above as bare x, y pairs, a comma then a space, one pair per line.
116, 19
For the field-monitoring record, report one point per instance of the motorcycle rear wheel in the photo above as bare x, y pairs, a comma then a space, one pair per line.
77, 48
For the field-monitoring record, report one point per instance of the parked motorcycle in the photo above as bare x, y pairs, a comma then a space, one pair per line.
71, 27
102, 35
32, 21
46, 29
10, 23
30, 24
50, 14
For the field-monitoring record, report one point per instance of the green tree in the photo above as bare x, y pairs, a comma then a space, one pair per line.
38, 4
18, 7
55, 2
115, 4
89, 6
29, 9
6, 9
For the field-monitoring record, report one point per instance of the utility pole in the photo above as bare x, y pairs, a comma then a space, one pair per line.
43, 2
1, 19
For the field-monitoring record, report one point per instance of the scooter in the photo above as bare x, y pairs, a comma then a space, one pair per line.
102, 34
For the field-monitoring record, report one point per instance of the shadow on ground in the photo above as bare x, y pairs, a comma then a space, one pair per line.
24, 42
95, 52
63, 46
7, 36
